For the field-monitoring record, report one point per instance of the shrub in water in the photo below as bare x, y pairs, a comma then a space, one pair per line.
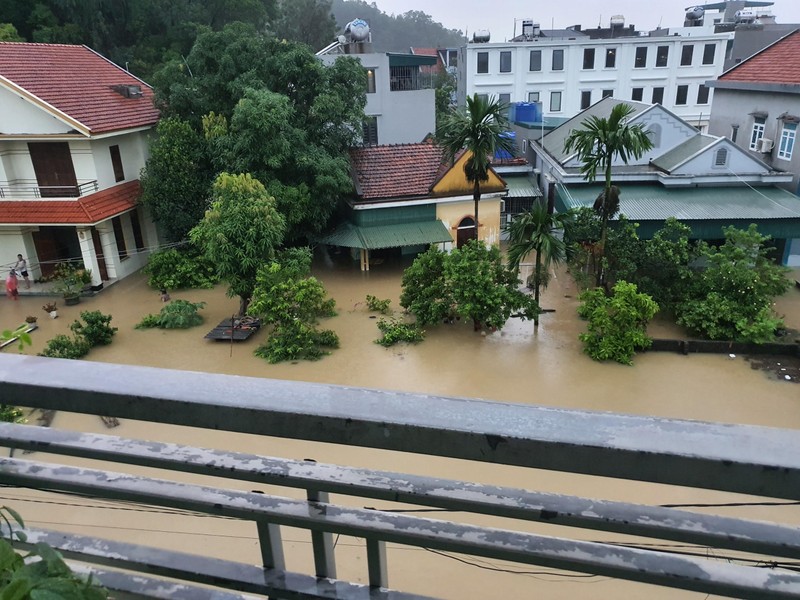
63, 346
395, 331
297, 341
96, 329
178, 314
173, 269
377, 305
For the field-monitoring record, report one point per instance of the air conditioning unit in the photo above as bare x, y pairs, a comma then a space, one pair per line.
765, 145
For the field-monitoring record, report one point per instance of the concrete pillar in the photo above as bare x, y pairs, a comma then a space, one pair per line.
108, 245
88, 254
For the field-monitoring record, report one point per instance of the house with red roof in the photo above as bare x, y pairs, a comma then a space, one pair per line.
757, 105
409, 196
73, 139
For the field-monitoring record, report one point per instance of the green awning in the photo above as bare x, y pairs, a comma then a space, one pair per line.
417, 233
410, 60
521, 187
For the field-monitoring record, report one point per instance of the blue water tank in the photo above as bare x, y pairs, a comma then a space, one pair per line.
504, 154
526, 112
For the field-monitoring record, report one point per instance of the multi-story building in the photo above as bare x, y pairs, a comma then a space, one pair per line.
400, 97
568, 70
73, 140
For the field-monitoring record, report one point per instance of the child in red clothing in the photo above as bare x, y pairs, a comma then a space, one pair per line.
11, 285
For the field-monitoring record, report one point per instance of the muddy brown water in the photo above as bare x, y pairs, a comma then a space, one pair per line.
517, 364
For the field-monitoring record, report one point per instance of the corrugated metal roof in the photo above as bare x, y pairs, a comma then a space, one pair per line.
648, 203
389, 236
522, 187
681, 152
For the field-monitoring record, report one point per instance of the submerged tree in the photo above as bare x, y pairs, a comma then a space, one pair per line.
538, 231
240, 232
478, 130
598, 142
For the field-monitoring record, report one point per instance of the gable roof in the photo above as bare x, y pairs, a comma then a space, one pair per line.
76, 82
87, 210
778, 63
396, 171
684, 151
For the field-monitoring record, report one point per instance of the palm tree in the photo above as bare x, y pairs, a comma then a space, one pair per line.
598, 142
478, 130
537, 231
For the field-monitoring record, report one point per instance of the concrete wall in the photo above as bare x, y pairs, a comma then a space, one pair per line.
133, 152
20, 116
737, 162
734, 108
451, 214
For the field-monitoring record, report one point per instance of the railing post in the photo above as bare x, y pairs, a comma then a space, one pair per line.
269, 538
376, 563
321, 541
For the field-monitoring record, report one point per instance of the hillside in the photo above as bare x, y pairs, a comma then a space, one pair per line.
396, 33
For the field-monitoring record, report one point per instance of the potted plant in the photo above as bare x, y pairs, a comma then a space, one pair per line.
50, 309
70, 280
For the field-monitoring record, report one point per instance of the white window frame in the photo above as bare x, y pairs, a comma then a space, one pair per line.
723, 154
788, 137
759, 127
553, 96
534, 96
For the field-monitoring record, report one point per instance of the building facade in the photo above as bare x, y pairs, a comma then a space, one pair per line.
74, 139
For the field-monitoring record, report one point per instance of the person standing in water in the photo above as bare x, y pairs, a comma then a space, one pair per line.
11, 285
22, 268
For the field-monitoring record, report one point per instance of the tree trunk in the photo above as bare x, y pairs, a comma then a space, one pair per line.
537, 278
476, 325
600, 279
244, 303
476, 195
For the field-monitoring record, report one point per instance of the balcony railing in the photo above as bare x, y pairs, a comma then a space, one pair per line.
744, 459
26, 189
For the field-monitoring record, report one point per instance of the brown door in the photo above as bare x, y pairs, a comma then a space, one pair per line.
47, 251
466, 231
55, 173
98, 250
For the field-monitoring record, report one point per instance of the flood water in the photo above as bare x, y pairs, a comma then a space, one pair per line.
517, 365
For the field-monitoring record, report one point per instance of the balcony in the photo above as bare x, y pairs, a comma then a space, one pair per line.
741, 459
29, 189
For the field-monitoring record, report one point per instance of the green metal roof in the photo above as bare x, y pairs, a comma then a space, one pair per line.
410, 60
656, 203
388, 236
521, 187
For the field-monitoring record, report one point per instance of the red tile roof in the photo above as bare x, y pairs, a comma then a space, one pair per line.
78, 82
396, 171
425, 51
87, 210
778, 63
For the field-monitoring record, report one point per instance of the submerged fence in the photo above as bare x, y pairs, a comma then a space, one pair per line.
745, 459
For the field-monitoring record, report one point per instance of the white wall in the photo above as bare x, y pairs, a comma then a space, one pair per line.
132, 149
20, 116
738, 162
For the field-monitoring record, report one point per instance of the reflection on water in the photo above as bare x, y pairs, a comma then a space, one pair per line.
516, 364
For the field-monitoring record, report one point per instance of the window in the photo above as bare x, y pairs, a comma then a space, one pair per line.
687, 52
536, 60
662, 56
402, 79
505, 102
452, 58
483, 62
137, 230
588, 58
608, 93
734, 133
681, 95
370, 81
484, 97
586, 99
116, 163
640, 62
708, 54
786, 146
637, 94
558, 60
555, 101
505, 61
702, 94
116, 222
370, 131
721, 157
533, 96
658, 95
759, 124
611, 58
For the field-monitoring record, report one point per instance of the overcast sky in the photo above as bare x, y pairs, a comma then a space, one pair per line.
498, 16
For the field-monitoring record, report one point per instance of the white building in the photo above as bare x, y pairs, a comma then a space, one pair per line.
569, 70
73, 139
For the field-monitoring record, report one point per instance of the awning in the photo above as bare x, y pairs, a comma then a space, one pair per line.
418, 233
522, 187
410, 60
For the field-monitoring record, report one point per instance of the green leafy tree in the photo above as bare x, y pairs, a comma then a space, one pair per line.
239, 233
174, 269
444, 86
598, 142
479, 131
176, 181
664, 273
178, 314
617, 324
425, 293
731, 295
96, 328
8, 33
541, 232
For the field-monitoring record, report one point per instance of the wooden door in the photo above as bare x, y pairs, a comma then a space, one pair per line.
47, 252
55, 173
466, 231
98, 250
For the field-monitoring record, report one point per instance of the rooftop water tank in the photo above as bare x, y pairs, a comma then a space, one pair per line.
695, 13
504, 154
525, 112
357, 29
617, 20
481, 36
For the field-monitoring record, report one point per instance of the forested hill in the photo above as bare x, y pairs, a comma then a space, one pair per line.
396, 33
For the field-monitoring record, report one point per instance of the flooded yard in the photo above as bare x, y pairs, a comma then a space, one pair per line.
517, 364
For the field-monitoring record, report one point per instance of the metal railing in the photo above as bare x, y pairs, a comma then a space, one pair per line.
744, 459
26, 189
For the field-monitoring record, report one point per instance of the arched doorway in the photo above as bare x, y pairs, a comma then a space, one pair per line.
466, 231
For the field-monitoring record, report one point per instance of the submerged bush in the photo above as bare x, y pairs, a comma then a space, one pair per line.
178, 269
178, 314
96, 329
377, 305
395, 331
297, 341
64, 346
